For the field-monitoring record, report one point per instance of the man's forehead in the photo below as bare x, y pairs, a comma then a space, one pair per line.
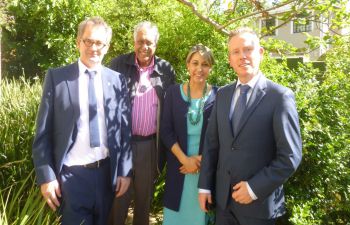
95, 30
146, 33
243, 40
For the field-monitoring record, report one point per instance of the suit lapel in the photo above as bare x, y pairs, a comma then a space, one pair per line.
229, 102
110, 91
254, 100
107, 92
73, 89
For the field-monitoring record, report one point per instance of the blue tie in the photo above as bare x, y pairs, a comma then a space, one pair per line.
240, 107
93, 118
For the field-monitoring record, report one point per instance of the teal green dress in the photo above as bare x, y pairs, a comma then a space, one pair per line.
189, 212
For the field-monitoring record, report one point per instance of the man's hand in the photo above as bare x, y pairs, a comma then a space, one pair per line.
203, 198
240, 193
190, 165
50, 191
122, 185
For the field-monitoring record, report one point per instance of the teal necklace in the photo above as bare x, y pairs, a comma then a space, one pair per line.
200, 108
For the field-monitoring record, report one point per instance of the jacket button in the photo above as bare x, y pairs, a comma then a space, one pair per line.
233, 148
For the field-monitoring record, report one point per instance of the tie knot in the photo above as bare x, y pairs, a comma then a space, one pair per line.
91, 73
244, 89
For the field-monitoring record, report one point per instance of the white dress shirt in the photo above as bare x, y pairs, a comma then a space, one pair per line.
81, 152
236, 94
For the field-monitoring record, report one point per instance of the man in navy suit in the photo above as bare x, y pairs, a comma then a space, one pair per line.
81, 151
253, 142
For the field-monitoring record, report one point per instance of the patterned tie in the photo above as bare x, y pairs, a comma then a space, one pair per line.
240, 107
93, 118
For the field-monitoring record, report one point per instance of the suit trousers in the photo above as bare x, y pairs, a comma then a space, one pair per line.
141, 188
86, 195
228, 216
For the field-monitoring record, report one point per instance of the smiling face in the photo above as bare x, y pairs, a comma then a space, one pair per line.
145, 46
93, 55
198, 68
245, 55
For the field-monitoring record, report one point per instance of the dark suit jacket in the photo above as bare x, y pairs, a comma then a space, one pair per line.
57, 122
174, 129
162, 77
265, 151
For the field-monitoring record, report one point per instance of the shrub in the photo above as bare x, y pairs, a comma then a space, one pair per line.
20, 200
19, 103
21, 203
319, 191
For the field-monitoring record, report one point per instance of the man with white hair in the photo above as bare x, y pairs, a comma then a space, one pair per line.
148, 77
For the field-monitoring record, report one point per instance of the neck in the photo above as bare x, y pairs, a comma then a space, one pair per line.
246, 79
91, 65
144, 65
196, 86
197, 90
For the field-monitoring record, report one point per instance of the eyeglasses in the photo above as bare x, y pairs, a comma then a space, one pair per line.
89, 43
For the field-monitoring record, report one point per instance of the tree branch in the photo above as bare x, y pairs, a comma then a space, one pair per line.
258, 12
290, 17
233, 8
206, 19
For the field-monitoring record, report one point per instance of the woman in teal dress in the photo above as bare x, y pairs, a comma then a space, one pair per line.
186, 111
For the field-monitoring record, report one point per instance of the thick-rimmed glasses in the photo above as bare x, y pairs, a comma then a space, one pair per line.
89, 43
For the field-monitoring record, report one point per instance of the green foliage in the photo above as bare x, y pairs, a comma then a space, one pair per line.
21, 203
157, 203
187, 31
20, 200
42, 34
19, 103
2, 12
280, 47
319, 192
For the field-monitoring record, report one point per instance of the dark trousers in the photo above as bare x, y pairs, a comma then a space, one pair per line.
141, 187
229, 217
87, 195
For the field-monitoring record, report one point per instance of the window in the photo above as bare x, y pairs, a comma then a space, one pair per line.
301, 25
267, 25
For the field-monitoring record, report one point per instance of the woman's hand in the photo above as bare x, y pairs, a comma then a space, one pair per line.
191, 164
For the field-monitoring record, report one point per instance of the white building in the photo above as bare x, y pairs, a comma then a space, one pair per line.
295, 33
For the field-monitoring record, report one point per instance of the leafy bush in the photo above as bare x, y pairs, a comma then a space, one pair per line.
20, 200
319, 191
41, 34
19, 103
21, 203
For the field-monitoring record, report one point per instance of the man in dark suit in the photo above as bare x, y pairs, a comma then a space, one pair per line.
81, 151
148, 76
253, 142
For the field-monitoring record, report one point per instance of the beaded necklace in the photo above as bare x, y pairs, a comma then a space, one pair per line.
200, 108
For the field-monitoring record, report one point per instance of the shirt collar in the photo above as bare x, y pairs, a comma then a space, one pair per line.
252, 82
150, 67
83, 68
